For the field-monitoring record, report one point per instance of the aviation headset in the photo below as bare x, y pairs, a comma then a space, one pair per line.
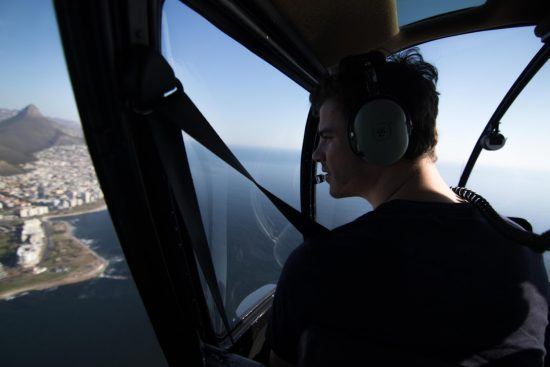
379, 128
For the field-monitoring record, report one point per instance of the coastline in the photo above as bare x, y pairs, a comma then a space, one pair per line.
98, 265
70, 279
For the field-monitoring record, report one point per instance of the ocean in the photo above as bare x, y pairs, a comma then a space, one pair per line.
102, 322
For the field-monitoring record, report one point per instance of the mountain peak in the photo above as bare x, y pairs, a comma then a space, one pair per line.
30, 111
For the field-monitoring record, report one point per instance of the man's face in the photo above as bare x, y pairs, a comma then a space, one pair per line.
345, 169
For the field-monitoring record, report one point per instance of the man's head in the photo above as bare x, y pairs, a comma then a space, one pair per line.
406, 78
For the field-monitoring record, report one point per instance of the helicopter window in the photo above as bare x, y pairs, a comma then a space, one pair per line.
515, 178
470, 89
412, 11
261, 115
76, 293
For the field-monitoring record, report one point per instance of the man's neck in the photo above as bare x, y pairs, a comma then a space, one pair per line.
418, 180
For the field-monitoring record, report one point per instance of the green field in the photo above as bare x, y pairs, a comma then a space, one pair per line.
27, 279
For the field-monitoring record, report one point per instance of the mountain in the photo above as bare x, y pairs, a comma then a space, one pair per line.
28, 132
70, 127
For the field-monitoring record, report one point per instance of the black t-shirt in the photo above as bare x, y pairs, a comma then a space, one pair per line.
428, 281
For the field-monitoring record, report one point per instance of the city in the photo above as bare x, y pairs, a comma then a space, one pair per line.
61, 181
62, 177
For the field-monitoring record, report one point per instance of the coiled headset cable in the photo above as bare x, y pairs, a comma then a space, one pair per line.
538, 243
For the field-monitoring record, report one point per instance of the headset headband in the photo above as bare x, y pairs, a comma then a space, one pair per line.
371, 79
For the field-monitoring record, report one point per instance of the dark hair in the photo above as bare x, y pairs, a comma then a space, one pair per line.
405, 76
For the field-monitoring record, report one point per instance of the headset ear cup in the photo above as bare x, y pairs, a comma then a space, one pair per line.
381, 131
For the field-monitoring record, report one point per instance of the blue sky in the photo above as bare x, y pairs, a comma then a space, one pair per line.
32, 65
251, 103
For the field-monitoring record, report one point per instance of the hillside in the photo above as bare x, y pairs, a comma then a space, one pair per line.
9, 169
26, 133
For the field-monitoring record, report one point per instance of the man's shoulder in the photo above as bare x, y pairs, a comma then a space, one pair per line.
372, 227
361, 235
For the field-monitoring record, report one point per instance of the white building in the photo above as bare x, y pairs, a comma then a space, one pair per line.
36, 239
65, 204
29, 256
31, 227
33, 211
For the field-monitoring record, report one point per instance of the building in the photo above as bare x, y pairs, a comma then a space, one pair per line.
31, 227
29, 256
32, 211
30, 253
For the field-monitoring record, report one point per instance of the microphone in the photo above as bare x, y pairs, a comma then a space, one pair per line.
320, 178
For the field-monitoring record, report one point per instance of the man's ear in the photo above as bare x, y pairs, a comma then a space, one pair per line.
276, 361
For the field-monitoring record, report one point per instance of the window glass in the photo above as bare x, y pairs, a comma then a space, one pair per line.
66, 294
470, 88
515, 179
261, 115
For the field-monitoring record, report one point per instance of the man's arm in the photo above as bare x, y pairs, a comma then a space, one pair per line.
276, 361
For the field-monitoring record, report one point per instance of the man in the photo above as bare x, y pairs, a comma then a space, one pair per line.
424, 279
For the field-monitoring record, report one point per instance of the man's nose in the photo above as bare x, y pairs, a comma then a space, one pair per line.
317, 154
